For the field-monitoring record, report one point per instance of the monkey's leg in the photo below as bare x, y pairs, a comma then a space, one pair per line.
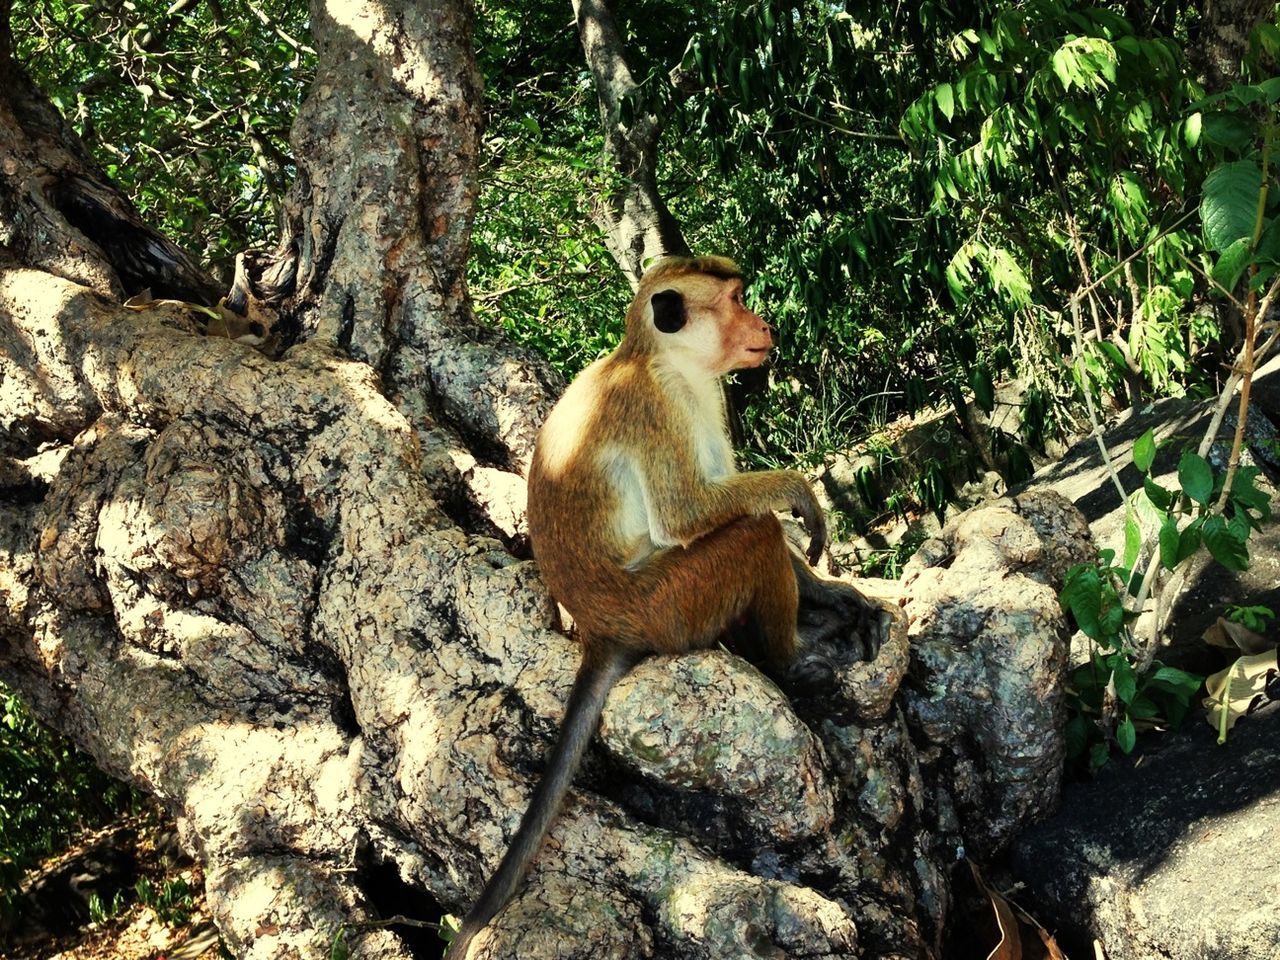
687, 597
828, 607
752, 561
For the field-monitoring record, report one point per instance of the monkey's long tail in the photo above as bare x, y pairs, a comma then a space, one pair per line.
581, 717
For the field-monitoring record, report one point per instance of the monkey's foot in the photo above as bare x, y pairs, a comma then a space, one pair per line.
809, 675
824, 630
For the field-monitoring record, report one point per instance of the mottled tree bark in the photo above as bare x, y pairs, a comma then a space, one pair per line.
285, 590
1221, 39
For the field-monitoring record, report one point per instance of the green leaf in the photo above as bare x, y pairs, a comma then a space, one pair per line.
1179, 680
1078, 730
1160, 498
1007, 276
1246, 494
944, 96
1189, 540
1143, 708
1099, 754
1126, 680
1270, 89
1132, 539
1226, 546
1227, 130
1126, 735
1169, 542
1196, 477
1144, 450
1064, 65
1269, 243
1191, 129
1113, 354
1082, 596
984, 391
1232, 262
1229, 205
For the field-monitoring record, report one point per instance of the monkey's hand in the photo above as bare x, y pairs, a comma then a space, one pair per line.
810, 513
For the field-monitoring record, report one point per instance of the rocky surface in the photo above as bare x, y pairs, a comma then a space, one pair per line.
1170, 853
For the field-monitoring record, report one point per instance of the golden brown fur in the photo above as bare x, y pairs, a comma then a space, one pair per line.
644, 428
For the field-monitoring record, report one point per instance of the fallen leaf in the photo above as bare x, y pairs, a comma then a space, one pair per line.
1234, 636
1232, 691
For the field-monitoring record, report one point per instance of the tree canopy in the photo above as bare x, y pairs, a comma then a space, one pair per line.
916, 196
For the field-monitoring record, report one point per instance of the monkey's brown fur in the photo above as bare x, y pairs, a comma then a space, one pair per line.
641, 526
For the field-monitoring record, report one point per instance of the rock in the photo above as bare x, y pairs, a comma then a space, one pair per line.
988, 658
1168, 853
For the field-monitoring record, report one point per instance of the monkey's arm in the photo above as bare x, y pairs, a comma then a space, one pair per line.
684, 506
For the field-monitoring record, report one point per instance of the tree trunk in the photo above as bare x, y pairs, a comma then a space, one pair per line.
635, 220
283, 589
1221, 39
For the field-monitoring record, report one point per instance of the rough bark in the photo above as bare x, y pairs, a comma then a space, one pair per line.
269, 588
634, 218
1221, 39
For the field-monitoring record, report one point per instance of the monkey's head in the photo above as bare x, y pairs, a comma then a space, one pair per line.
691, 310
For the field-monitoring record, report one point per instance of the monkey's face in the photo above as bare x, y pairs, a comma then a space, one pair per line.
745, 338
706, 322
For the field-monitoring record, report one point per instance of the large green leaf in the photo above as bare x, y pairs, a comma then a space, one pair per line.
1126, 735
1160, 498
1226, 130
1144, 451
1169, 542
1196, 477
1229, 206
1232, 263
1227, 547
984, 392
944, 96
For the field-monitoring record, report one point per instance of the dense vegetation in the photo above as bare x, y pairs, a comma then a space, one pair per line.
916, 196
49, 791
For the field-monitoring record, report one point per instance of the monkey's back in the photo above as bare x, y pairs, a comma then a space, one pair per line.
577, 491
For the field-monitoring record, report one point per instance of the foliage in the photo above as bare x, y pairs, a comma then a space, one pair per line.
49, 791
1254, 617
173, 900
187, 106
1115, 684
1107, 699
101, 912
914, 196
889, 563
537, 266
1238, 209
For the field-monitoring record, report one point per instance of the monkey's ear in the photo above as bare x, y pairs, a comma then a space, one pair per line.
668, 310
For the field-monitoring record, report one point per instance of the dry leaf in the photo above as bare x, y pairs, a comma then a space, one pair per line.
1234, 636
1236, 688
1010, 945
1011, 919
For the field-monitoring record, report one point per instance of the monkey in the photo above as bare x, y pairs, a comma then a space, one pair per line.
645, 532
